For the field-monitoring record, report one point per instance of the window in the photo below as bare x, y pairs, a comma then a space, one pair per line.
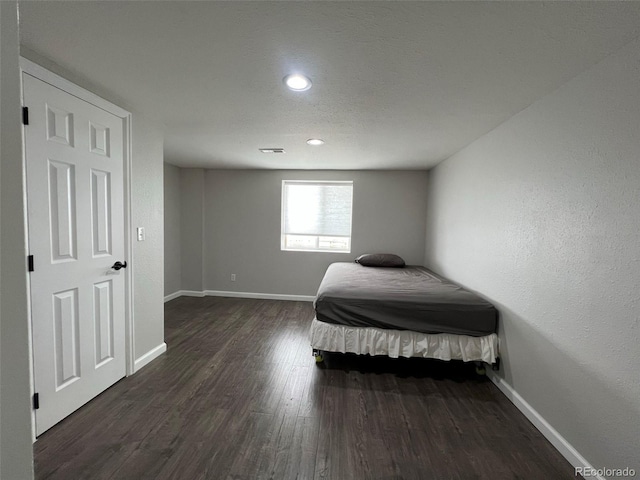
316, 216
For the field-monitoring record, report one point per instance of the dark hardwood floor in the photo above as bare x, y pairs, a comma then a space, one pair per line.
238, 396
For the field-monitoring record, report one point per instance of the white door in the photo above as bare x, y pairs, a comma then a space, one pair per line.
74, 157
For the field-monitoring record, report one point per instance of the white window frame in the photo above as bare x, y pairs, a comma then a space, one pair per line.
283, 233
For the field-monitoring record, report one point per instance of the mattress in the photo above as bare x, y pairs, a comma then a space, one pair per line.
410, 298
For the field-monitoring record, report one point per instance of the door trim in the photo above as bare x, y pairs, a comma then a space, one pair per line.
27, 67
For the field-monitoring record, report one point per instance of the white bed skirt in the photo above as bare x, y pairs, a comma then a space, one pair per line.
402, 343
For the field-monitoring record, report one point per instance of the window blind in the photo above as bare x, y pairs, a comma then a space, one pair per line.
320, 209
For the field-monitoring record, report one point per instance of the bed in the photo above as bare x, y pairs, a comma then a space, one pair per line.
401, 312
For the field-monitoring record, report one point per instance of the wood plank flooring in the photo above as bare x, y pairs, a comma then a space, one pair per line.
238, 396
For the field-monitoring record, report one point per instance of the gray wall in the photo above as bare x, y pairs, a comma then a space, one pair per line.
146, 209
16, 458
242, 227
172, 245
191, 226
541, 216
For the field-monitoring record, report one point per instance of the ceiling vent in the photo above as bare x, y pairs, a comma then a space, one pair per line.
271, 150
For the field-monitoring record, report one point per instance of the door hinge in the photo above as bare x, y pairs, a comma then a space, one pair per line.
36, 401
30, 263
25, 115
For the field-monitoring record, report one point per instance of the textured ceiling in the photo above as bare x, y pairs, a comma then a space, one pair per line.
396, 85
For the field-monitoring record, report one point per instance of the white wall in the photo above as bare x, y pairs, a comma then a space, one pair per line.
16, 458
147, 207
542, 217
172, 245
242, 227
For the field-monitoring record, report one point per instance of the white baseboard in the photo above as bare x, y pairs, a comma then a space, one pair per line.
191, 293
267, 296
183, 293
171, 296
558, 441
149, 356
222, 293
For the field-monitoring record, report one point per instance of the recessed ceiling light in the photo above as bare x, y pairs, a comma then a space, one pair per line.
297, 82
271, 150
315, 141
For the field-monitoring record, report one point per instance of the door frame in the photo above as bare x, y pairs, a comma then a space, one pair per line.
27, 67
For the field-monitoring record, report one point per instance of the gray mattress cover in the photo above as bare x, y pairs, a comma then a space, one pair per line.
410, 298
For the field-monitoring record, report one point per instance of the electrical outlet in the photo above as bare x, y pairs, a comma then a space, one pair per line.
233, 277
141, 235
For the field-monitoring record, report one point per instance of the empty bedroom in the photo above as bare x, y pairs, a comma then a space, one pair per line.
319, 240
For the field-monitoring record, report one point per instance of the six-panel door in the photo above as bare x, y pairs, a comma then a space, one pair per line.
74, 157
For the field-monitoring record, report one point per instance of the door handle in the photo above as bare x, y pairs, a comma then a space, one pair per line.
119, 265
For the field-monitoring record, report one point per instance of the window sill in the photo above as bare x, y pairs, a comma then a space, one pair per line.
313, 251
